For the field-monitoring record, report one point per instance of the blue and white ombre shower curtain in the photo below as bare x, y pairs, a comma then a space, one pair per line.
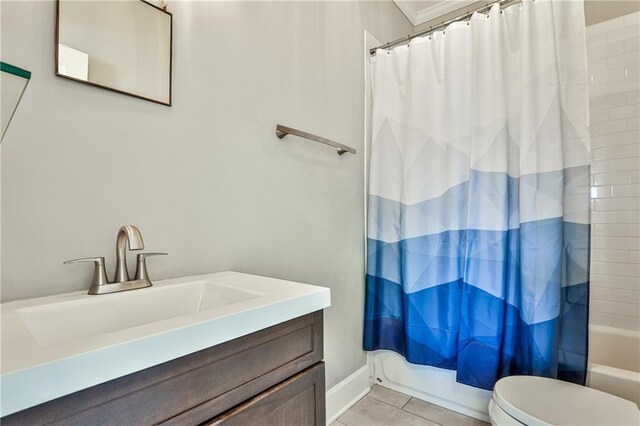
478, 227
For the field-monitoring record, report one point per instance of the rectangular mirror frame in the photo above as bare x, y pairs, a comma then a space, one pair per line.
57, 41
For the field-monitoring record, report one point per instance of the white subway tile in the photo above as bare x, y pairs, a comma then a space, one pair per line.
626, 85
600, 166
609, 152
618, 217
608, 76
628, 270
622, 60
600, 318
629, 190
602, 268
625, 243
599, 116
627, 111
631, 203
616, 295
601, 192
609, 178
622, 210
620, 308
597, 40
605, 26
623, 33
621, 138
608, 51
611, 256
632, 71
630, 217
616, 204
631, 19
608, 127
614, 281
630, 45
601, 64
610, 229
612, 100
601, 217
601, 242
624, 164
603, 204
629, 323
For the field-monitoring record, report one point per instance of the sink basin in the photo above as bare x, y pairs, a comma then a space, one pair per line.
72, 320
56, 345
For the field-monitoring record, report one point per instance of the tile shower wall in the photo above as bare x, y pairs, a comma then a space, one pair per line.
614, 59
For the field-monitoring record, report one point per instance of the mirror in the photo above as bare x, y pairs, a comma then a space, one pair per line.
124, 46
13, 81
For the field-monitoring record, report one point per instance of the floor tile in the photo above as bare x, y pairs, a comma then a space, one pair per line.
439, 414
391, 397
372, 412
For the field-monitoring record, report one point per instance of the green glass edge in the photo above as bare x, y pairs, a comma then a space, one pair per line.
15, 70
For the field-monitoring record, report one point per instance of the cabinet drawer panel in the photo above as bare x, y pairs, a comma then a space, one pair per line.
297, 401
209, 381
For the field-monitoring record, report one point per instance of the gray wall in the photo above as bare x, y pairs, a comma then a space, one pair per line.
205, 180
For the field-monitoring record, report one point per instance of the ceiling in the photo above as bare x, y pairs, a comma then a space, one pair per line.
421, 11
436, 11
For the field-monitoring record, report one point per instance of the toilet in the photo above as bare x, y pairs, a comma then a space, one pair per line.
532, 400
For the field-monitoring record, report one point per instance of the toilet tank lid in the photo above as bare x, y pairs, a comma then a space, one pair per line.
539, 400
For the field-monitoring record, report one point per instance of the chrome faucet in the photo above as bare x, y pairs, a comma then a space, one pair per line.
131, 234
100, 284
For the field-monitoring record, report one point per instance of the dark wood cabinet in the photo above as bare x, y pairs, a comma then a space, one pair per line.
294, 402
272, 377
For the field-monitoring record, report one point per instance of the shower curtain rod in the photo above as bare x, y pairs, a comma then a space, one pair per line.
467, 15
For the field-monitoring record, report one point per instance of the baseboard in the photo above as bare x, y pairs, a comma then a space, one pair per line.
345, 394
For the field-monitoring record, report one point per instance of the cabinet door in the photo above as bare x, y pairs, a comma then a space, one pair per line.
298, 401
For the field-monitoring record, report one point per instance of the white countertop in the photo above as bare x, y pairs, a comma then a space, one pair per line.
37, 368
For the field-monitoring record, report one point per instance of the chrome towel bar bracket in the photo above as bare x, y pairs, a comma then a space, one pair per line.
282, 131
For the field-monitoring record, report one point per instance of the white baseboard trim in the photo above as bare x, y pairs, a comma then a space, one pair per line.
345, 394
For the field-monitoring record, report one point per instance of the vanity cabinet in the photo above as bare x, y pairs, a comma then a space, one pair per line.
271, 377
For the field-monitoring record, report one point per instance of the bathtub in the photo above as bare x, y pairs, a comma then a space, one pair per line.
614, 367
614, 361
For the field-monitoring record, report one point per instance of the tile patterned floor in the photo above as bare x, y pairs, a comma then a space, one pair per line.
385, 407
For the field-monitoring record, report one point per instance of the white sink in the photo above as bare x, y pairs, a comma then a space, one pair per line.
56, 345
60, 322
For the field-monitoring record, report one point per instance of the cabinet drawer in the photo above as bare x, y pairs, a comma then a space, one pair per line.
194, 388
298, 401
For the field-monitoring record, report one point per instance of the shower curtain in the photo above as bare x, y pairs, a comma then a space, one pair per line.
478, 226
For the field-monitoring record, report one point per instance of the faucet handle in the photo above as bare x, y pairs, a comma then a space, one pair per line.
99, 273
141, 265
